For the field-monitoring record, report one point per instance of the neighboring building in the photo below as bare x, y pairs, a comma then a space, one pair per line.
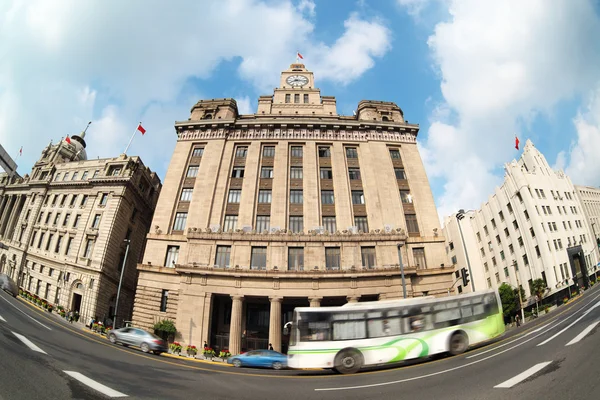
589, 198
65, 227
292, 206
532, 227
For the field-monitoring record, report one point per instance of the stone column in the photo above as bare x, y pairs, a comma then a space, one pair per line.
7, 212
235, 327
352, 299
315, 301
275, 323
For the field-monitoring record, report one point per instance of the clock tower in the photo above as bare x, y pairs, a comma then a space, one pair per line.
297, 95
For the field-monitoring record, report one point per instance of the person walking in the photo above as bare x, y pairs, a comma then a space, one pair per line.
518, 320
270, 346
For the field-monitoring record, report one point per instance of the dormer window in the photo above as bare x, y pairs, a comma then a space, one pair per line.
208, 116
384, 118
114, 170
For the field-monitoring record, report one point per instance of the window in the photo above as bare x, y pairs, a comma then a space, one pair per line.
56, 218
50, 236
92, 281
411, 223
75, 174
327, 197
506, 272
501, 215
241, 151
96, 222
506, 232
395, 154
493, 223
482, 252
96, 172
497, 277
172, 256
520, 240
511, 248
485, 229
305, 98
47, 218
258, 259
498, 239
84, 199
230, 223
192, 171
222, 257
287, 98
454, 261
510, 209
326, 173
478, 237
351, 152
114, 171
354, 173
57, 177
88, 248
399, 173
526, 214
238, 172
58, 244
264, 196
324, 152
362, 224
532, 232
489, 283
164, 297
54, 199
297, 224
198, 152
515, 225
180, 221
103, 199
332, 258
269, 151
63, 200
329, 224
502, 257
296, 172
537, 251
295, 258
296, 98
358, 197
419, 256
68, 247
368, 256
296, 151
65, 176
33, 238
73, 200
186, 194
266, 172
234, 196
263, 223
405, 196
76, 220
296, 197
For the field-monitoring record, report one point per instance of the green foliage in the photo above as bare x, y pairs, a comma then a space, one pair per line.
538, 288
510, 301
165, 329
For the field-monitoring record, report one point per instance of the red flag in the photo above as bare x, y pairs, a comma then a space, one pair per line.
68, 139
141, 129
300, 56
21, 151
516, 143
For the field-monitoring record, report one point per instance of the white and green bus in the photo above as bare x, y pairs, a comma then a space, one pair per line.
355, 335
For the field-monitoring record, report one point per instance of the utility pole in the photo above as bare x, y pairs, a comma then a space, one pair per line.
402, 270
519, 290
115, 323
459, 216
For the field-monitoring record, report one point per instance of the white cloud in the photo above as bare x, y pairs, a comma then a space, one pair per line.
66, 62
501, 64
244, 105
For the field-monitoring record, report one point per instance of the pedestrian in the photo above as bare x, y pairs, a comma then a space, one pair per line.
205, 345
92, 320
518, 320
270, 346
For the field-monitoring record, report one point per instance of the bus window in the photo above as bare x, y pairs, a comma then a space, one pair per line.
347, 330
385, 327
314, 326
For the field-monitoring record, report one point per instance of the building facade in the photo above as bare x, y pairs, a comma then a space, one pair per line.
532, 227
292, 206
589, 198
66, 224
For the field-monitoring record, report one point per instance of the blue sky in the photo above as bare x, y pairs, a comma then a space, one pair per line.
472, 73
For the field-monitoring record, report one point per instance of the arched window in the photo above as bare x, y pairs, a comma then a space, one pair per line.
79, 286
208, 116
384, 118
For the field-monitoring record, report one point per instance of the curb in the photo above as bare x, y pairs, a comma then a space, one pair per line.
196, 360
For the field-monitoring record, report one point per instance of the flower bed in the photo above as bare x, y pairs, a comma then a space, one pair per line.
175, 347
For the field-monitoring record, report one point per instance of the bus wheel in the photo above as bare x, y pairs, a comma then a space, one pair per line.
348, 361
459, 342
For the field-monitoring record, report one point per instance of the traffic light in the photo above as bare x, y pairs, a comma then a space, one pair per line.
465, 276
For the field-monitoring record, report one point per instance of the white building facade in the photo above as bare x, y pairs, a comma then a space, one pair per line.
532, 227
589, 198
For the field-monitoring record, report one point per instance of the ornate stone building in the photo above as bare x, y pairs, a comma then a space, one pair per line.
292, 206
65, 227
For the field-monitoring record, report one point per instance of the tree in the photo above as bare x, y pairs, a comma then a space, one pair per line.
510, 301
165, 329
538, 288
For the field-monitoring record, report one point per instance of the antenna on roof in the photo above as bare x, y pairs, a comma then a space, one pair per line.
85, 130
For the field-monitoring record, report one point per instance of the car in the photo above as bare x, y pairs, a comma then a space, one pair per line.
145, 340
8, 285
259, 358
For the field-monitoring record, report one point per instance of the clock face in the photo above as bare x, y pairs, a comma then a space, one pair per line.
297, 80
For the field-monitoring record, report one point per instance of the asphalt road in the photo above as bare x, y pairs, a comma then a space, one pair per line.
44, 357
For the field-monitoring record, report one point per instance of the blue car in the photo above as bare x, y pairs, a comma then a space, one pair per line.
259, 358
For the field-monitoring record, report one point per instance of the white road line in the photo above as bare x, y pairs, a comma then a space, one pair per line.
570, 325
583, 333
2, 319
523, 375
95, 385
507, 343
29, 343
24, 313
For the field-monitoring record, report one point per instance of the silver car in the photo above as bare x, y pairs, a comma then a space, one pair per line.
8, 285
140, 338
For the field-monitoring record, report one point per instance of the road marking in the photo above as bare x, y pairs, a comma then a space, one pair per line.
523, 375
512, 341
29, 343
24, 313
2, 319
95, 385
583, 333
567, 327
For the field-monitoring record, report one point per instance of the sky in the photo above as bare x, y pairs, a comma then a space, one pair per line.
473, 73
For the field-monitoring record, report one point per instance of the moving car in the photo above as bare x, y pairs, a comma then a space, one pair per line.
259, 358
8, 285
140, 338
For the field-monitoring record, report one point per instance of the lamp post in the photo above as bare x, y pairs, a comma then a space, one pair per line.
459, 216
402, 270
519, 291
115, 322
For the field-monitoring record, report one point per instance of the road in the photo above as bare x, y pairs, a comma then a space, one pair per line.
43, 357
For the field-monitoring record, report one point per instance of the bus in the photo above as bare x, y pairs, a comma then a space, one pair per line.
356, 335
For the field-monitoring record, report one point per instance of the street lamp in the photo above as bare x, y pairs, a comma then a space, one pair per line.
402, 270
459, 216
115, 322
519, 291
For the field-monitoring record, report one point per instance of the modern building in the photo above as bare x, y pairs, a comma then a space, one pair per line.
532, 227
68, 224
293, 206
589, 198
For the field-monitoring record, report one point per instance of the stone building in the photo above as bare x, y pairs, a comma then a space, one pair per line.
292, 206
532, 227
66, 223
589, 198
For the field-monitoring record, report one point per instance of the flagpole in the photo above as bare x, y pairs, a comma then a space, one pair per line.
132, 136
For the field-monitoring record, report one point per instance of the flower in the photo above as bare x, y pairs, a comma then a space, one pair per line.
175, 347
